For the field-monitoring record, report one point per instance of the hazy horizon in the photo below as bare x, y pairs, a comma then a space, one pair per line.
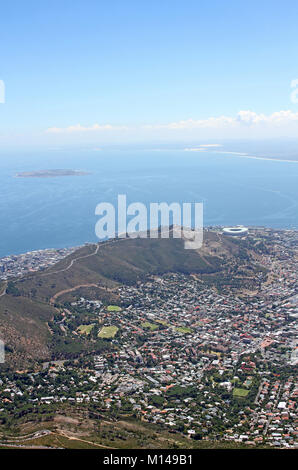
118, 73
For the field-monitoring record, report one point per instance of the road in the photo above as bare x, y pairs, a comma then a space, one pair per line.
72, 262
4, 289
273, 408
259, 391
98, 246
13, 441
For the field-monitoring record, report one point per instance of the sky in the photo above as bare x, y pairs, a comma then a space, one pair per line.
99, 72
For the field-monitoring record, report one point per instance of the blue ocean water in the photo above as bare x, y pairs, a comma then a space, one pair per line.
37, 213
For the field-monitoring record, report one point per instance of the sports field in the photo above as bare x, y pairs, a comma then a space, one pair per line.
183, 329
149, 326
240, 392
113, 308
85, 329
108, 332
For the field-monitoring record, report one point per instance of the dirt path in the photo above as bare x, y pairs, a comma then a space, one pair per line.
72, 438
61, 270
65, 291
98, 246
71, 289
72, 262
4, 289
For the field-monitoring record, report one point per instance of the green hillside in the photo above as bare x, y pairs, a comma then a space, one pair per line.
29, 303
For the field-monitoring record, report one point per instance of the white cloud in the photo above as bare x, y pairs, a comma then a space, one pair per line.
79, 128
202, 147
245, 124
245, 117
211, 145
214, 122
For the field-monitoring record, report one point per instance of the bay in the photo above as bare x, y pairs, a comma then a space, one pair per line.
39, 213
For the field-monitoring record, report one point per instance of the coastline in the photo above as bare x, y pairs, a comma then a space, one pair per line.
65, 251
239, 155
271, 159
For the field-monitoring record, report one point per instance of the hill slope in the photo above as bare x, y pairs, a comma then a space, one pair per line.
29, 302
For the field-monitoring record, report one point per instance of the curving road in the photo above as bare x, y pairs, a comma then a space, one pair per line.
4, 290
71, 263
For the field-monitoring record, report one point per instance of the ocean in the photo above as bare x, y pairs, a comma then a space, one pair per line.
39, 213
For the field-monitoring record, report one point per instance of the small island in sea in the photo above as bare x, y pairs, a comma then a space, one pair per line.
50, 173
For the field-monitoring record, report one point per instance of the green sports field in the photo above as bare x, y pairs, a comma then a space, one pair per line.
113, 308
240, 392
183, 329
149, 326
108, 332
85, 329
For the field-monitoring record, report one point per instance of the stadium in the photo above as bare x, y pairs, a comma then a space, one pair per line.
239, 231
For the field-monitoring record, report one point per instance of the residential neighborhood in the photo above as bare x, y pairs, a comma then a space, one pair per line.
205, 362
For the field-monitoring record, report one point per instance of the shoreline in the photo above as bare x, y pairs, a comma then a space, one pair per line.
239, 155
242, 155
81, 245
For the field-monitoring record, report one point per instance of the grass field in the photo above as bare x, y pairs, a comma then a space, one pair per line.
240, 392
108, 332
113, 308
149, 326
162, 322
85, 329
183, 329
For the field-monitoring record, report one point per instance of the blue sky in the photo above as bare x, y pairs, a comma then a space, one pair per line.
148, 70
